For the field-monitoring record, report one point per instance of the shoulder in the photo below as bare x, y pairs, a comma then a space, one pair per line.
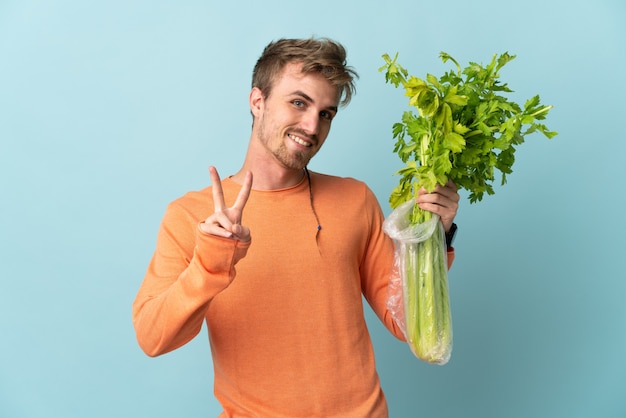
192, 206
345, 193
341, 187
327, 181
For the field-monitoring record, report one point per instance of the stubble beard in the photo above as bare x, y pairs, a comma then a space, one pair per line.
287, 158
298, 161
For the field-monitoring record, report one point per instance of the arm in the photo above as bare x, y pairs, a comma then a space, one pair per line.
180, 282
191, 265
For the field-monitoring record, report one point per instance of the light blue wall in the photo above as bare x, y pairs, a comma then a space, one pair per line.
109, 110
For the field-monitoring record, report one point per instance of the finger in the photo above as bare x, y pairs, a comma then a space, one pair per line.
244, 193
451, 185
241, 233
220, 220
218, 194
215, 229
440, 200
446, 214
449, 191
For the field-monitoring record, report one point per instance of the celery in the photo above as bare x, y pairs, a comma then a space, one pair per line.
420, 281
463, 131
426, 301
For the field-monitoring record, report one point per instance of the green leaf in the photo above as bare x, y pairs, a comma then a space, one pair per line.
456, 100
465, 127
433, 81
454, 142
532, 102
460, 128
428, 102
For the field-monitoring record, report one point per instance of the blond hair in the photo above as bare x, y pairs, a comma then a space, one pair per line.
321, 55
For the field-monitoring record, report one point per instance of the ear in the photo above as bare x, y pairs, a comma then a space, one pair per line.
256, 101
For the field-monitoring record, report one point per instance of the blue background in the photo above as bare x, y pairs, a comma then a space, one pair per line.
109, 110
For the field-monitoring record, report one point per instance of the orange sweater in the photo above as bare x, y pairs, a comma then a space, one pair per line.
284, 313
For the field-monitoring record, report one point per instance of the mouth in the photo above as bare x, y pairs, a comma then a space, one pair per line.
299, 140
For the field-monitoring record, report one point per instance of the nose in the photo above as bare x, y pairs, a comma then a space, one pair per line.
310, 122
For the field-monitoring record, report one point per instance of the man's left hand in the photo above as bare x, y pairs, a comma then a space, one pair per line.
444, 201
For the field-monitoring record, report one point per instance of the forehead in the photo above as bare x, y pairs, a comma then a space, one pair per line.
314, 84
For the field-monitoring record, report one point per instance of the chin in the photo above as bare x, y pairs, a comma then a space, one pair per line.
295, 162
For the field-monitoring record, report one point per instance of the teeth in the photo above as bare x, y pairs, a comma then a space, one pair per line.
299, 140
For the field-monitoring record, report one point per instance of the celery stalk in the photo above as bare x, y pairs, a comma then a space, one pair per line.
426, 300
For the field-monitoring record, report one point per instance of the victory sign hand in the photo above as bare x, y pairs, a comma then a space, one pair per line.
226, 221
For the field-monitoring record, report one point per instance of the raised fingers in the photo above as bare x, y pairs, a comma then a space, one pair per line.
218, 194
244, 193
226, 221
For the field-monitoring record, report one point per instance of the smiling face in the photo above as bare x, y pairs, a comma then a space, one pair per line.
293, 122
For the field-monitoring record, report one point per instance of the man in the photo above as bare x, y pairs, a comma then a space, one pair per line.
276, 258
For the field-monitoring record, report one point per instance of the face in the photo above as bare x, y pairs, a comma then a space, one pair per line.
294, 121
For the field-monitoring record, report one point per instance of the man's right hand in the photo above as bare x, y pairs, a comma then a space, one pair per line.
226, 222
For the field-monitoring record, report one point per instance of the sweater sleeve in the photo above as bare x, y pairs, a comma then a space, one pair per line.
188, 269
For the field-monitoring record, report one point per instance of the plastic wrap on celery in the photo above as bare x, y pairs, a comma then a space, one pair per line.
418, 296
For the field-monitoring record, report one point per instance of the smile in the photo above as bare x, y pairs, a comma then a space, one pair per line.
299, 140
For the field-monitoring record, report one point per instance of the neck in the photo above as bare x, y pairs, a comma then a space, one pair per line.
268, 177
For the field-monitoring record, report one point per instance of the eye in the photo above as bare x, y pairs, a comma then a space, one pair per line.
327, 115
298, 103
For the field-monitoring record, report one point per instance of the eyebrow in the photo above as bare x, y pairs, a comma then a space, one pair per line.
307, 97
